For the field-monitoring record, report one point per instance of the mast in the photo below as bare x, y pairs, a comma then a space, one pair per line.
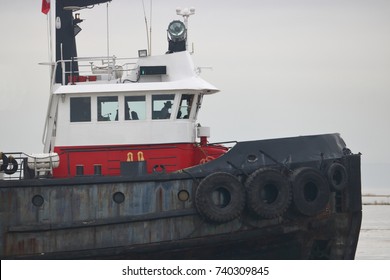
63, 31
66, 30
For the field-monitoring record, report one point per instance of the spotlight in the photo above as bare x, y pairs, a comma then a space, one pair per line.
177, 31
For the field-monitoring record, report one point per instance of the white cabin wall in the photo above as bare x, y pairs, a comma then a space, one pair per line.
121, 132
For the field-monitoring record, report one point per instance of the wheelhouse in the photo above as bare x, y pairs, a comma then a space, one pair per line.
130, 110
127, 118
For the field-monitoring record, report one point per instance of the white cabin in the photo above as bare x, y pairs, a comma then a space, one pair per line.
121, 102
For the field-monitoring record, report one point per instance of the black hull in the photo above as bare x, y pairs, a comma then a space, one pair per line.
307, 243
82, 218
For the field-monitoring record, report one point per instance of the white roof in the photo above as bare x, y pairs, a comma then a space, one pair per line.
181, 76
193, 83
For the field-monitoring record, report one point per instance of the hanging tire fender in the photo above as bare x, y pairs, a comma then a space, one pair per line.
310, 191
14, 164
4, 165
268, 193
337, 176
220, 197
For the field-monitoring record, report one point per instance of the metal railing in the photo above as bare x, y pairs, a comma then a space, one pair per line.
21, 160
97, 69
21, 166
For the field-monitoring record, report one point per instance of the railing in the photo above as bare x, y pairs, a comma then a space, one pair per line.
21, 160
20, 166
97, 69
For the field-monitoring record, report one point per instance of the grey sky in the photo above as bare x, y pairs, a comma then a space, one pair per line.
285, 68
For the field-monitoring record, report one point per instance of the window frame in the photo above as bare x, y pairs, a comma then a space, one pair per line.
141, 115
100, 116
75, 111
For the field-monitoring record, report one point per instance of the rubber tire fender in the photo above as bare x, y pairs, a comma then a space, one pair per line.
337, 176
220, 184
268, 193
5, 162
14, 163
310, 191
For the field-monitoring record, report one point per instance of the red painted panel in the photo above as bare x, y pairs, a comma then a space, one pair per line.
172, 156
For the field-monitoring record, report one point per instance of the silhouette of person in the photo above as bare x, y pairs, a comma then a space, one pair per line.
134, 115
164, 113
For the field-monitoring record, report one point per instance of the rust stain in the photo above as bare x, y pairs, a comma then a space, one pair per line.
20, 246
159, 200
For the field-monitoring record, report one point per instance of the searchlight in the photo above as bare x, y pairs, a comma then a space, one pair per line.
177, 36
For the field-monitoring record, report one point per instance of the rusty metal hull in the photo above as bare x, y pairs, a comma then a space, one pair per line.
148, 217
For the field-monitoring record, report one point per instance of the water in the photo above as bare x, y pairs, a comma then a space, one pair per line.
374, 241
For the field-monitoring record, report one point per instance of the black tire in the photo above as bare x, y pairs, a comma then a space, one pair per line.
5, 162
13, 163
310, 191
268, 193
337, 176
220, 197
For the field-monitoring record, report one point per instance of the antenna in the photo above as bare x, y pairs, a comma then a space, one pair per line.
146, 26
108, 38
150, 42
49, 39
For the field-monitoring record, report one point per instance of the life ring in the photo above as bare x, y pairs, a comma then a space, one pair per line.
220, 197
11, 161
310, 191
337, 176
5, 162
268, 193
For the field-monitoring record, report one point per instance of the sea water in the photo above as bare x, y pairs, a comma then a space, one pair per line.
374, 240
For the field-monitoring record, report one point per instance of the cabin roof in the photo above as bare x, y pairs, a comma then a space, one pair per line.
179, 74
188, 84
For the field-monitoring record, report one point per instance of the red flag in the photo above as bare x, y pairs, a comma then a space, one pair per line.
45, 6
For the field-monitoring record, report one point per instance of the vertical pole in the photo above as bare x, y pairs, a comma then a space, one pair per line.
63, 66
150, 28
147, 31
108, 48
186, 25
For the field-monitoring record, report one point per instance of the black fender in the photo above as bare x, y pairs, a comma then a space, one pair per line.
220, 197
268, 193
5, 162
14, 166
310, 190
337, 176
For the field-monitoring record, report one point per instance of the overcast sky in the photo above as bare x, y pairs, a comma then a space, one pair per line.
284, 67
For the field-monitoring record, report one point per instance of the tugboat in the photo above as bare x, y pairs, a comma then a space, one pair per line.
127, 173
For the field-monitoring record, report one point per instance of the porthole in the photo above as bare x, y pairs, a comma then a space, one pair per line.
183, 195
37, 200
252, 158
118, 197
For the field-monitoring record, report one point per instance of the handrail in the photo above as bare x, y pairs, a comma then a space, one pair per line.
23, 170
18, 175
107, 66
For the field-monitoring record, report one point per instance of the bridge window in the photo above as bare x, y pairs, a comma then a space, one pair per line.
162, 106
107, 108
185, 106
135, 108
80, 109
